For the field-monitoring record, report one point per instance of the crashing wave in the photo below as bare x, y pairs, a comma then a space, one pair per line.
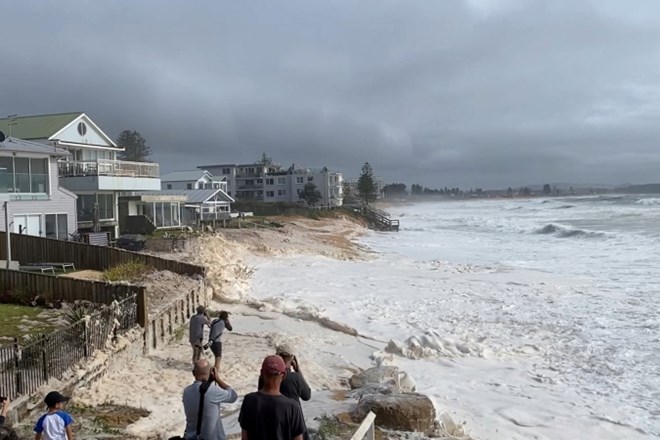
564, 232
648, 202
433, 345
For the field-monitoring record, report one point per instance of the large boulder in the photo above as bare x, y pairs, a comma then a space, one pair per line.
399, 412
376, 375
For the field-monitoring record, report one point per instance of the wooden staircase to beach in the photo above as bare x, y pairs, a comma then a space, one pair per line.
378, 219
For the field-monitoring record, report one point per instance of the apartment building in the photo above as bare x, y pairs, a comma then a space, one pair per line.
91, 170
274, 183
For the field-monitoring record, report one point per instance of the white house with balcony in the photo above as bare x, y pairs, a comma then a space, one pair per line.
193, 179
91, 170
30, 186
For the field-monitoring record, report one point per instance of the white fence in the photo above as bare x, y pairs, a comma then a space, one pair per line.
367, 429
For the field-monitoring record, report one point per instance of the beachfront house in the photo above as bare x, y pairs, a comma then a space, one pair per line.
30, 190
193, 179
145, 212
274, 183
91, 170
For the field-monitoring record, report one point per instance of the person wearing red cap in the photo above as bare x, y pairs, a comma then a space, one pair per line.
56, 423
267, 414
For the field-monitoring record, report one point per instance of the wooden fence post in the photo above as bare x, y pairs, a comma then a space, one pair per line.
19, 387
142, 308
44, 358
86, 338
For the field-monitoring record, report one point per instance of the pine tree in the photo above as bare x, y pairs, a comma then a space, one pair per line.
135, 146
367, 187
310, 194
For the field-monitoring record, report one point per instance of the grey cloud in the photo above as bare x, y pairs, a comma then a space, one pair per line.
475, 93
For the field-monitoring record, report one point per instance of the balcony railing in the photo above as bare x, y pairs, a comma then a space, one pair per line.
105, 167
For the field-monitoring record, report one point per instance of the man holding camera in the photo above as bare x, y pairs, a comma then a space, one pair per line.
218, 327
201, 403
294, 385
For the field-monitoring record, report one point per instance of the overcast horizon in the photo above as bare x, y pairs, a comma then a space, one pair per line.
474, 93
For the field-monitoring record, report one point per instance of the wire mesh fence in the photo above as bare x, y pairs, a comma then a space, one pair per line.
23, 369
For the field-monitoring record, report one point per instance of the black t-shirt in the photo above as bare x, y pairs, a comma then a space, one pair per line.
267, 417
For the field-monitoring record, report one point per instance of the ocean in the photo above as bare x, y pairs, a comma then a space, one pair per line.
523, 318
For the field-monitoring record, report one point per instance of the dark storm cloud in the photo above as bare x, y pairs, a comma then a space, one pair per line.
470, 93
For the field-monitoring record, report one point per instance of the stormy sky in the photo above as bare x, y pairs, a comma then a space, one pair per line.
473, 93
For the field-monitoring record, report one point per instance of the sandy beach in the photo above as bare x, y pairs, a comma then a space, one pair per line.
337, 352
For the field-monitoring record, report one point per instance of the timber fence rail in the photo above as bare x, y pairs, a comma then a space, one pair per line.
23, 369
366, 430
64, 289
29, 249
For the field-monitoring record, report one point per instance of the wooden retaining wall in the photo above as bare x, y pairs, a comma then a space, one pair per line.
28, 249
65, 289
160, 328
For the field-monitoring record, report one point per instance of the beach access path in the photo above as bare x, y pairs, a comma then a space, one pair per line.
155, 382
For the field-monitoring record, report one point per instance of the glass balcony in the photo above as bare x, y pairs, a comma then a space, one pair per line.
105, 167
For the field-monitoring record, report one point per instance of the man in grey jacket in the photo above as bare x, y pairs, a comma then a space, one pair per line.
197, 323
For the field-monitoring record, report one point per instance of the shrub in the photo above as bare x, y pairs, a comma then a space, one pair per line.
130, 271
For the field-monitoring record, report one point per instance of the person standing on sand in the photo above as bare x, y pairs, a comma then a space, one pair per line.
5, 410
218, 326
197, 323
294, 386
209, 391
267, 414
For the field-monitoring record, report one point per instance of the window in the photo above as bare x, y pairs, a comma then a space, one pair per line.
82, 128
300, 180
85, 205
310, 179
169, 186
57, 226
281, 180
23, 175
226, 171
249, 182
281, 192
189, 185
106, 207
270, 181
270, 193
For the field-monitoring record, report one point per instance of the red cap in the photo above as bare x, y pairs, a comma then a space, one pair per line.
273, 365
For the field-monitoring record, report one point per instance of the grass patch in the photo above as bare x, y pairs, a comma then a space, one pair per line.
106, 419
130, 271
15, 320
331, 428
179, 333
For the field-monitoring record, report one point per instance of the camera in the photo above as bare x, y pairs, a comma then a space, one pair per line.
2, 399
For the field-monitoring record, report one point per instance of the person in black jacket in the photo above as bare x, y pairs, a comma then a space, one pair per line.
294, 385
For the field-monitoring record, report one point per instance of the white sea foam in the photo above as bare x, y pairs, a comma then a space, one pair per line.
523, 335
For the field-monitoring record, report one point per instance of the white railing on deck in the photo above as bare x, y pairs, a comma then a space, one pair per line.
106, 167
367, 429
